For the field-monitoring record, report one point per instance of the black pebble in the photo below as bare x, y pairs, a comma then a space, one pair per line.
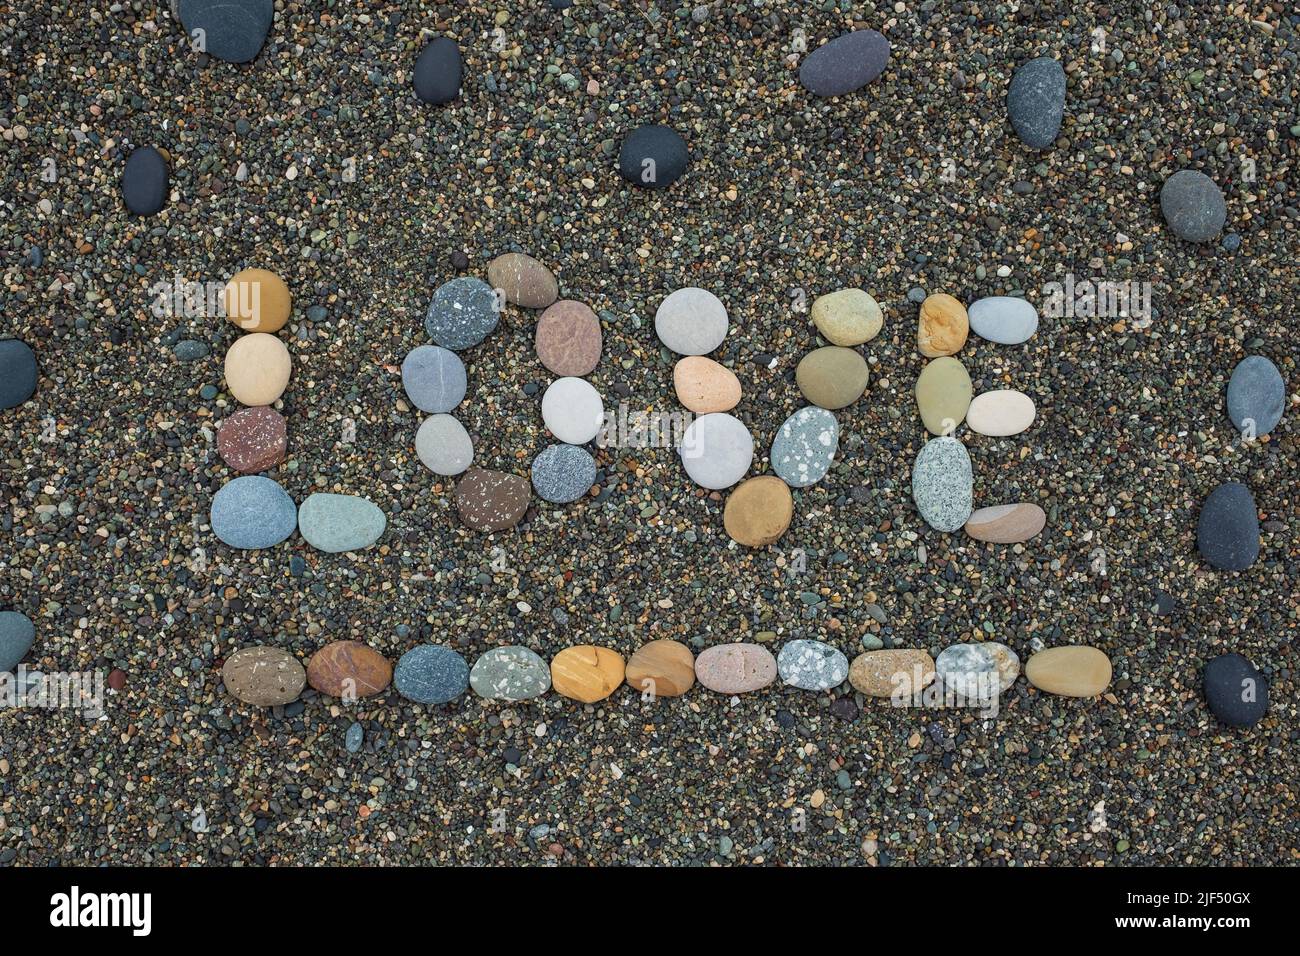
653, 157
144, 181
1227, 534
233, 30
1236, 692
17, 372
438, 71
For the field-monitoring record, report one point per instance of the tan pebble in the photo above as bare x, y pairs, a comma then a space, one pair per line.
705, 386
888, 673
1006, 524
661, 668
257, 300
1076, 671
943, 326
257, 369
758, 511
1000, 413
586, 673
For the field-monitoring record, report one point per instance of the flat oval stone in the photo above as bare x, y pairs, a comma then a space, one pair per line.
563, 473
884, 674
462, 313
942, 484
443, 446
568, 338
572, 410
735, 668
338, 523
257, 369
354, 738
1227, 534
257, 300
17, 634
653, 157
758, 511
1256, 394
253, 440
846, 63
1004, 319
943, 326
434, 378
349, 670
510, 673
17, 373
438, 71
977, 672
1002, 412
691, 321
705, 386
586, 672
716, 450
523, 280
943, 395
1036, 101
1193, 205
805, 446
812, 665
491, 500
848, 317
263, 676
832, 376
252, 512
1236, 692
661, 669
144, 181
1076, 671
1007, 524
431, 674
232, 30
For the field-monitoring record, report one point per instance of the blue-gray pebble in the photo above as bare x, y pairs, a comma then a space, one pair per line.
805, 446
1227, 534
434, 378
438, 71
943, 484
1193, 205
144, 181
1256, 393
253, 511
1036, 101
17, 372
354, 738
338, 523
1235, 690
812, 665
653, 157
233, 30
563, 473
16, 636
190, 350
846, 63
431, 674
462, 313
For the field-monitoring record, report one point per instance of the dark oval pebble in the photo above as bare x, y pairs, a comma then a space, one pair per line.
438, 71
1227, 534
253, 439
1236, 692
144, 181
844, 64
1036, 101
431, 674
563, 473
653, 157
462, 313
1193, 205
17, 634
17, 372
233, 30
1256, 393
491, 500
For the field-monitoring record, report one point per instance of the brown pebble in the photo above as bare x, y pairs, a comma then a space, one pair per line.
568, 338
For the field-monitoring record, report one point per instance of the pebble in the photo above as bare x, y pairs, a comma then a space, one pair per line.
563, 473
758, 511
257, 300
901, 672
1004, 319
735, 668
252, 512
661, 668
848, 317
572, 410
434, 378
263, 676
1000, 413
233, 30
190, 350
253, 440
354, 738
943, 326
653, 157
443, 446
431, 674
17, 634
491, 500
339, 523
704, 386
462, 313
805, 446
812, 665
971, 671
943, 395
349, 670
522, 280
586, 672
942, 484
1256, 392
1075, 671
1227, 534
510, 673
832, 377
257, 369
1193, 205
691, 321
568, 338
716, 450
17, 373
145, 181
1007, 524
1235, 690
846, 63
438, 71
1036, 101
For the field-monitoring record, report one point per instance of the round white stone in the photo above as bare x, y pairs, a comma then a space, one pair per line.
572, 410
716, 450
443, 445
691, 321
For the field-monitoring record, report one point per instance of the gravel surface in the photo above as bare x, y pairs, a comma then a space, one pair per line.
317, 161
